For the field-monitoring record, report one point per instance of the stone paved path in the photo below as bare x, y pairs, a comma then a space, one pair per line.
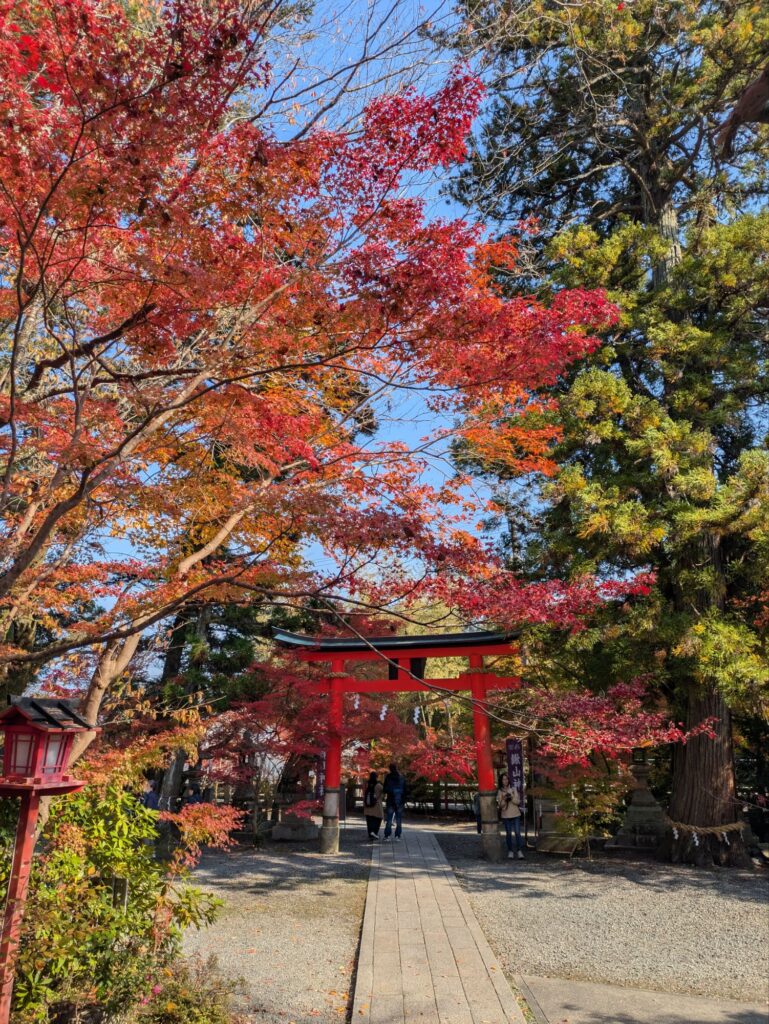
423, 957
558, 1001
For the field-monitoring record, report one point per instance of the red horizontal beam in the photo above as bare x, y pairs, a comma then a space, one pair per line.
411, 652
414, 685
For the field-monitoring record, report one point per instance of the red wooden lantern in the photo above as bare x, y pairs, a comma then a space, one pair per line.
38, 744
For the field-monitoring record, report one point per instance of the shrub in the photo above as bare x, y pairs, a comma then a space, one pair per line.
191, 992
589, 796
104, 917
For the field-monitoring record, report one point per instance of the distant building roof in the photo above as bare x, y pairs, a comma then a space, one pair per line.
341, 644
46, 712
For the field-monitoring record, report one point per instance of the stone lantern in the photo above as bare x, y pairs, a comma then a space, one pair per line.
644, 823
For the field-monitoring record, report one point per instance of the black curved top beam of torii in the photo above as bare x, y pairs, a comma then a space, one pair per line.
405, 657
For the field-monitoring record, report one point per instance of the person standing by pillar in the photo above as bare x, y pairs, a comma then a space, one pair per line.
395, 793
372, 806
510, 813
492, 846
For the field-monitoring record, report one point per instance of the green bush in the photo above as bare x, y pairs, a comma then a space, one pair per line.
193, 992
104, 917
589, 798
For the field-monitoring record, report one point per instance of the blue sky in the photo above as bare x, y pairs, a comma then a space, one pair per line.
335, 40
369, 48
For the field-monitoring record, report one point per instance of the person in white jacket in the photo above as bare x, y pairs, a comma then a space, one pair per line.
510, 813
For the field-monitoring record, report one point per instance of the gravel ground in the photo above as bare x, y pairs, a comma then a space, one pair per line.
640, 924
289, 928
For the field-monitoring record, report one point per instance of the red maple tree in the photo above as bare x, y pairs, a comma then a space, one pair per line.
198, 319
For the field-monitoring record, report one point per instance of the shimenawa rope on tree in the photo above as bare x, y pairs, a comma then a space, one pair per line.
695, 831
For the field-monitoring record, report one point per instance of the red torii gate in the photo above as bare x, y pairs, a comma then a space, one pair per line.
405, 657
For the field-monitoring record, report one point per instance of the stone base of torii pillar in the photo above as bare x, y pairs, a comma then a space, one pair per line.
491, 840
329, 832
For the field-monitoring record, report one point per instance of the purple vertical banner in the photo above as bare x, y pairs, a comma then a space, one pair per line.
514, 749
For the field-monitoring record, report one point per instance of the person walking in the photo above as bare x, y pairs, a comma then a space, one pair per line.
395, 798
372, 806
510, 813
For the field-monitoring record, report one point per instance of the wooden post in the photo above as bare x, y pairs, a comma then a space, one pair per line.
329, 833
17, 893
487, 789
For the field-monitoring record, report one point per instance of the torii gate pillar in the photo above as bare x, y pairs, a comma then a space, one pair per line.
329, 831
487, 790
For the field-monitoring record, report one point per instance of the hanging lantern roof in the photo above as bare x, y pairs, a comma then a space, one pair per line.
49, 714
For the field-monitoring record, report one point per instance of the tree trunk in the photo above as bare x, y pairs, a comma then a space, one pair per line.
172, 664
15, 678
704, 792
704, 788
171, 787
703, 778
436, 797
668, 229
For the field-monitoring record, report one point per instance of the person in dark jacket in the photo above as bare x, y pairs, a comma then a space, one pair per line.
149, 797
395, 798
372, 806
191, 795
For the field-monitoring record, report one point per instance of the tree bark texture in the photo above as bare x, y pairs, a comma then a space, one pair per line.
704, 792
171, 788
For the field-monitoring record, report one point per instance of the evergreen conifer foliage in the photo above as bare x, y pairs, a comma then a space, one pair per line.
603, 120
604, 111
